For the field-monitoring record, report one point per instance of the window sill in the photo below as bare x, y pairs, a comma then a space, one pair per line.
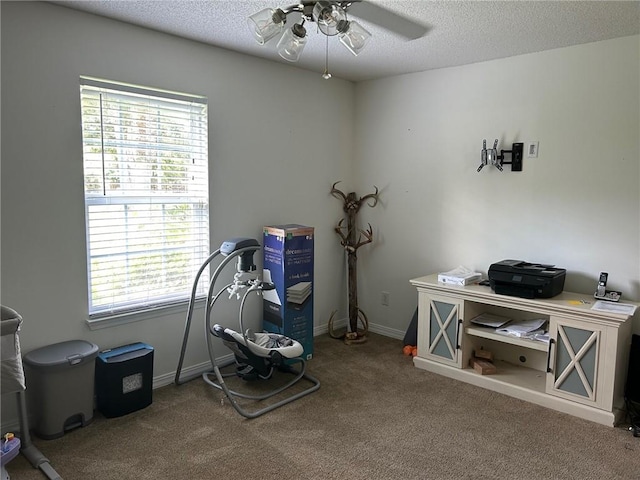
152, 313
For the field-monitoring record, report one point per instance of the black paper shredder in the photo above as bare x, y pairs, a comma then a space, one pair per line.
124, 379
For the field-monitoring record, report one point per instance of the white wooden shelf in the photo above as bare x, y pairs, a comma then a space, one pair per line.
514, 376
490, 333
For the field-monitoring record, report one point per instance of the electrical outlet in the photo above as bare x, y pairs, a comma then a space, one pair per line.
384, 298
532, 149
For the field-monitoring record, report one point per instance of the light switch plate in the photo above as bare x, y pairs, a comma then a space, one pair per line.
532, 149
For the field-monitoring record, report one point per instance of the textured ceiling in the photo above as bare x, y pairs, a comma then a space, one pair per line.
460, 32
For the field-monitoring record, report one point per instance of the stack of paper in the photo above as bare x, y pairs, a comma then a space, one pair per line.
490, 320
523, 328
623, 308
459, 276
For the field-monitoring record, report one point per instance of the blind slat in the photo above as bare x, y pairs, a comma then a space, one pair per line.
146, 194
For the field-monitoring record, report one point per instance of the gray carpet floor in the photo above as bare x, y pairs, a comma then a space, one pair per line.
375, 416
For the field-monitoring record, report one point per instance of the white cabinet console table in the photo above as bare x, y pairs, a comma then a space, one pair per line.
581, 371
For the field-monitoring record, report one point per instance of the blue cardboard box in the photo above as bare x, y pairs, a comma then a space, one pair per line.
288, 264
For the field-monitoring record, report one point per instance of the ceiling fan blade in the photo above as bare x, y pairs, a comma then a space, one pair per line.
387, 19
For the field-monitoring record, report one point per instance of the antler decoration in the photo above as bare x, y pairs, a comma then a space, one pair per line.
352, 239
350, 202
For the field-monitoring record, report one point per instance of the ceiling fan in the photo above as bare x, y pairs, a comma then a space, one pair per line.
331, 19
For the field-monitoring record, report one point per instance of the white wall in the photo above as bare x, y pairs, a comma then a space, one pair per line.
417, 137
267, 166
577, 205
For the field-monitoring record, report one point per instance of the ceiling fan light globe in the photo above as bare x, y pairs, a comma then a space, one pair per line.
328, 16
355, 37
266, 24
292, 43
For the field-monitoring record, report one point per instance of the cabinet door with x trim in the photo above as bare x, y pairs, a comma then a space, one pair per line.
575, 355
439, 333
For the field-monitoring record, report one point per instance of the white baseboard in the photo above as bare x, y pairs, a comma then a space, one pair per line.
197, 370
189, 373
386, 331
375, 328
324, 328
194, 371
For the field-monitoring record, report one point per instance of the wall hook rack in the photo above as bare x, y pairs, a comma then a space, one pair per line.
490, 156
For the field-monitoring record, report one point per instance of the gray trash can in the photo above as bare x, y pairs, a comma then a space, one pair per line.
60, 386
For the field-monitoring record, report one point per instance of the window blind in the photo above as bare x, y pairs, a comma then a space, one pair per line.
145, 157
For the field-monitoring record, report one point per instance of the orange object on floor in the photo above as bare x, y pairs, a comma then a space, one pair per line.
407, 349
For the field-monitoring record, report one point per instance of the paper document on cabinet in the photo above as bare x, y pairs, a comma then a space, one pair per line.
541, 337
523, 328
611, 307
490, 320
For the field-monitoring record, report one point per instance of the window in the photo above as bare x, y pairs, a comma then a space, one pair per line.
146, 195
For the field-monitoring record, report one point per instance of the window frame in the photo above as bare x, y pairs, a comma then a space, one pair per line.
120, 312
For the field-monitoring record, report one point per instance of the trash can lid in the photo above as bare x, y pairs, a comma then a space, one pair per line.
70, 352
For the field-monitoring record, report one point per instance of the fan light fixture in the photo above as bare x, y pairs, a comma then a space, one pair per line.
330, 17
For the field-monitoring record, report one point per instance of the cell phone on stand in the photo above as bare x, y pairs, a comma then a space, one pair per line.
601, 290
602, 284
